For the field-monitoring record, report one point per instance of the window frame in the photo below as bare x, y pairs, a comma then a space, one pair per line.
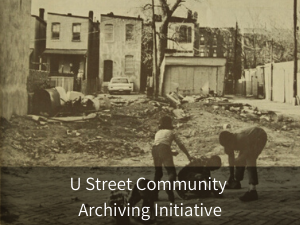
52, 32
126, 67
112, 33
73, 25
215, 40
132, 34
202, 37
188, 34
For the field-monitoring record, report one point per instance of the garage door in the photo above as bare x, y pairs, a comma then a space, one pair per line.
190, 80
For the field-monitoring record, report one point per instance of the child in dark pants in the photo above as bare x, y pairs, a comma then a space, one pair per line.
162, 154
125, 199
199, 170
249, 143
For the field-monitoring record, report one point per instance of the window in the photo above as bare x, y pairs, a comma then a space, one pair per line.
202, 52
215, 53
55, 30
230, 53
129, 64
202, 40
129, 32
230, 39
109, 32
185, 34
76, 32
215, 41
207, 53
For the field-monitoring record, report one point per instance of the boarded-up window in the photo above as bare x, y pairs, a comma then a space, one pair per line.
76, 31
109, 32
129, 32
185, 34
55, 30
129, 64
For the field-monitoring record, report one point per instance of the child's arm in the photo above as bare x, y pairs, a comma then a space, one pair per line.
181, 146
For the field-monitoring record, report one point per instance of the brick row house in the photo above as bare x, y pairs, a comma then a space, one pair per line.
72, 51
79, 57
120, 49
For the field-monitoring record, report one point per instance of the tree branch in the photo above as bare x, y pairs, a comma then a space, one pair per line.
175, 6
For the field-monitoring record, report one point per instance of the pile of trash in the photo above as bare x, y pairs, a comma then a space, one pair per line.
60, 105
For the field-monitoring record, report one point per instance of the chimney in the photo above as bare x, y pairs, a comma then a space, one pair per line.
69, 14
42, 11
189, 14
91, 15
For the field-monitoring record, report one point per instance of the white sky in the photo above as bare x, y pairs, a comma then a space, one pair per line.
213, 13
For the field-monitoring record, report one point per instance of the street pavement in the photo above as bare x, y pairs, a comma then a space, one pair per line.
45, 197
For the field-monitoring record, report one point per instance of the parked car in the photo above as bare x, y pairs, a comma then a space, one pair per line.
120, 84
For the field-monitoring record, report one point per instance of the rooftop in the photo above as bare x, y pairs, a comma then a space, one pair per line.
121, 17
69, 15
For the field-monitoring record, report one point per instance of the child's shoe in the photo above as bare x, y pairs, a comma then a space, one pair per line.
249, 196
233, 184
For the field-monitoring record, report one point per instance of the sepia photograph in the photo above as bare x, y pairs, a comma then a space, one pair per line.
132, 112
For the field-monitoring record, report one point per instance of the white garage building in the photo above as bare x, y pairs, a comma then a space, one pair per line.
192, 75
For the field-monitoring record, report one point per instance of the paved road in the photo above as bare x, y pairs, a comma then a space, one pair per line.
44, 196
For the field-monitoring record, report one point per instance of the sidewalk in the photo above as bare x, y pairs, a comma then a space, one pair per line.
263, 104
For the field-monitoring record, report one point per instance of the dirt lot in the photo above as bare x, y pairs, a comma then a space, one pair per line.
122, 138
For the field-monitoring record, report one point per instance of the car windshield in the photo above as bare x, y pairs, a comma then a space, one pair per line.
120, 80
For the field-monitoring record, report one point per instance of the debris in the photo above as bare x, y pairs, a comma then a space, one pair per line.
265, 118
226, 126
174, 98
276, 117
74, 95
75, 118
180, 114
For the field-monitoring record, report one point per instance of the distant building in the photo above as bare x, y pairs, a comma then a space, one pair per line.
181, 36
186, 69
72, 50
37, 41
120, 49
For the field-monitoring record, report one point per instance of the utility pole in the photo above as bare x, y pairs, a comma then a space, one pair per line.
236, 76
295, 50
154, 55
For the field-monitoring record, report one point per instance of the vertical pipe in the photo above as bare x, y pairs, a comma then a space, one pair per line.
295, 49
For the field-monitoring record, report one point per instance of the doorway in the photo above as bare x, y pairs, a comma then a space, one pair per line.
108, 70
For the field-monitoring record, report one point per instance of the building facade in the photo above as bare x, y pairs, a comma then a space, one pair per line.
14, 57
72, 45
120, 49
37, 41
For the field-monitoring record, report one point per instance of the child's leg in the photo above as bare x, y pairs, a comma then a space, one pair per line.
240, 170
157, 163
252, 173
158, 167
167, 160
